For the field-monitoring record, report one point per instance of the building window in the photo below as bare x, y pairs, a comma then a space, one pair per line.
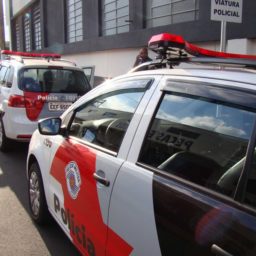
27, 32
74, 21
114, 16
17, 34
37, 28
165, 12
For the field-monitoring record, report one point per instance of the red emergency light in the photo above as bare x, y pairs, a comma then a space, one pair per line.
32, 55
166, 40
170, 42
201, 52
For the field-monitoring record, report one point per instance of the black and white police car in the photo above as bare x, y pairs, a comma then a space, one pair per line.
155, 162
35, 86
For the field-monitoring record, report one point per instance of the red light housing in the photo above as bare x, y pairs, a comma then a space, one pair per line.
198, 51
170, 42
166, 40
32, 55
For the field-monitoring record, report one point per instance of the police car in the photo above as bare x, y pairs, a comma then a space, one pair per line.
155, 162
34, 86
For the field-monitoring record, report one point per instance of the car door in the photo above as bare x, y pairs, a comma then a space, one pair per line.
175, 194
85, 163
89, 72
6, 83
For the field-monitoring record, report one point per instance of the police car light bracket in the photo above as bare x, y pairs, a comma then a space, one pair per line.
167, 46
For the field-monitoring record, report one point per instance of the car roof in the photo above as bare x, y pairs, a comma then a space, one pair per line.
239, 75
178, 57
43, 62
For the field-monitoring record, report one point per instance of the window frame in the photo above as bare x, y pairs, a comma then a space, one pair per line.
150, 18
245, 175
70, 116
76, 37
93, 145
36, 27
17, 35
53, 69
2, 79
116, 20
27, 31
9, 77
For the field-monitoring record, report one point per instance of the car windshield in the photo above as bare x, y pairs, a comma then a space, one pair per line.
53, 81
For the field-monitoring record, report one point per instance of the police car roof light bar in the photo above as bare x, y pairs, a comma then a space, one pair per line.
31, 55
198, 51
165, 42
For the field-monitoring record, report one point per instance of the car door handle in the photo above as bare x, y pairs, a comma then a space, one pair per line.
218, 251
100, 177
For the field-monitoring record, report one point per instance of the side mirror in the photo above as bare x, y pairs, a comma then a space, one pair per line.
50, 126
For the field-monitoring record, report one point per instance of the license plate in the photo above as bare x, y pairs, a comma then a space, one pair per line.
58, 106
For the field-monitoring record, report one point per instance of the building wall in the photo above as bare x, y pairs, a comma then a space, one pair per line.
196, 31
108, 63
111, 63
18, 5
54, 30
115, 54
2, 33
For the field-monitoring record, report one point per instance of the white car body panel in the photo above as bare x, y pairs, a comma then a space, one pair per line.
126, 205
16, 123
132, 207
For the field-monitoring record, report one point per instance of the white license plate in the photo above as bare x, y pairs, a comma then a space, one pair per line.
58, 106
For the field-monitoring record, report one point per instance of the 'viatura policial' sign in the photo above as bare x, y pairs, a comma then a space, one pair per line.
227, 10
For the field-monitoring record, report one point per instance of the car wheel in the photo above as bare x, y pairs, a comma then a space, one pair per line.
5, 143
37, 202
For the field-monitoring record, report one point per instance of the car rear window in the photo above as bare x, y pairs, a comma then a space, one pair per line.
53, 80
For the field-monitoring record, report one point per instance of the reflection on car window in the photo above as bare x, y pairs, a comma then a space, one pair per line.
199, 140
250, 195
53, 81
104, 120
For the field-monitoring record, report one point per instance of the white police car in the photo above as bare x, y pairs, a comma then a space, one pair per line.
34, 86
158, 162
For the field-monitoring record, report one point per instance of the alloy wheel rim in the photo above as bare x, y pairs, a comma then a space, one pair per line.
34, 193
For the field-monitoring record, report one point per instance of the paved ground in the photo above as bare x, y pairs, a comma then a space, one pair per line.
18, 234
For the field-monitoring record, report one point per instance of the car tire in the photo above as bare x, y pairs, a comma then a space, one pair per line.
5, 143
37, 201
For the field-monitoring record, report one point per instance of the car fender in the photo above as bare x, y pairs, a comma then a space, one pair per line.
44, 160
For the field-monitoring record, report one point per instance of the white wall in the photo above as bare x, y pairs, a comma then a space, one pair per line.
6, 20
107, 63
18, 5
116, 62
242, 46
238, 46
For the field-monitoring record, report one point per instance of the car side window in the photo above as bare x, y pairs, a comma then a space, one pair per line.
199, 140
9, 76
250, 194
104, 120
2, 74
